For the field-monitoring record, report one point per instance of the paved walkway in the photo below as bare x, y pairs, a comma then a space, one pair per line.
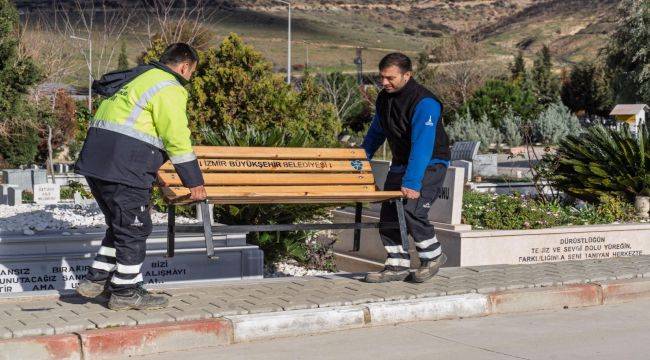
25, 317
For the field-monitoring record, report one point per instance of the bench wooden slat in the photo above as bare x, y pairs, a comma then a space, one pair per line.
266, 165
227, 152
279, 191
172, 179
332, 198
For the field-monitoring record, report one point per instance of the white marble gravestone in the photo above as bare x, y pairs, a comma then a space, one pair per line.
47, 194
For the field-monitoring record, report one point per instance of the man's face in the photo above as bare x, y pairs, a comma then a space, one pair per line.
184, 69
392, 78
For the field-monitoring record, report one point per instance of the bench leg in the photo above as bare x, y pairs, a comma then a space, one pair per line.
207, 229
357, 232
171, 230
402, 224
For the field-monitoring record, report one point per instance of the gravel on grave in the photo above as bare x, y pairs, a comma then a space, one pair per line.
288, 269
30, 218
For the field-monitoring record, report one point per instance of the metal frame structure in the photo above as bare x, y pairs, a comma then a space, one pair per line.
208, 230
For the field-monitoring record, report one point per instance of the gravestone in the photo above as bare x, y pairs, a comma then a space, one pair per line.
448, 206
58, 262
465, 150
47, 194
39, 176
467, 165
4, 193
14, 196
485, 165
18, 177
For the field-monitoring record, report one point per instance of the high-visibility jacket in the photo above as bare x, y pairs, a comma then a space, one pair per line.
137, 129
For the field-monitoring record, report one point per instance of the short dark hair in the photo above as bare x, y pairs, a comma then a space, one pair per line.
400, 60
178, 53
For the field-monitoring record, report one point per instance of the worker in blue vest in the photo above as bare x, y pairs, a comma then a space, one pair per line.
408, 116
142, 124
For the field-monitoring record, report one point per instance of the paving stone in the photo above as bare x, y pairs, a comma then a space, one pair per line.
144, 317
216, 311
189, 315
330, 302
460, 290
263, 308
111, 320
5, 333
429, 293
62, 326
20, 329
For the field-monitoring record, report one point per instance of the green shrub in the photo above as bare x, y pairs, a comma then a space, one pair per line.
20, 146
28, 197
234, 85
555, 123
514, 212
498, 97
602, 162
511, 129
83, 118
465, 128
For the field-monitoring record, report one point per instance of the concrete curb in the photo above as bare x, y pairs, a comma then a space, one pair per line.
439, 308
151, 339
58, 347
296, 322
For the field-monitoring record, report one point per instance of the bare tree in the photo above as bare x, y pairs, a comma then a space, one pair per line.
172, 21
95, 31
341, 91
40, 39
456, 69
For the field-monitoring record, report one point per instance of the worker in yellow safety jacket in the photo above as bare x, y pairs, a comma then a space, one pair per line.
142, 124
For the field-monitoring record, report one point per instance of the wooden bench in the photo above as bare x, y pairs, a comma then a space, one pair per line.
264, 175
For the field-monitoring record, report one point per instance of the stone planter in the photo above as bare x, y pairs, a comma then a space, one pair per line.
642, 206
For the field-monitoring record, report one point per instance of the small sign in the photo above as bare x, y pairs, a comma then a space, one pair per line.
47, 194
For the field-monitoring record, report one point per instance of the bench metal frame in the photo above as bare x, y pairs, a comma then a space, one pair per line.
208, 230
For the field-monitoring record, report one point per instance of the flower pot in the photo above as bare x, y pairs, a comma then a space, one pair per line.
642, 206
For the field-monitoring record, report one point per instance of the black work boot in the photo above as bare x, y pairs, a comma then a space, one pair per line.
138, 299
92, 289
386, 275
428, 269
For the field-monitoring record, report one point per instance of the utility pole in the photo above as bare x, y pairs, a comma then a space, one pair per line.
306, 54
288, 41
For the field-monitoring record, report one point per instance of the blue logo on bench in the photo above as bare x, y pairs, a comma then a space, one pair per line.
357, 165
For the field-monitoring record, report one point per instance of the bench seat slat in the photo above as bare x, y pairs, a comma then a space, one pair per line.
275, 190
266, 165
172, 179
227, 152
332, 198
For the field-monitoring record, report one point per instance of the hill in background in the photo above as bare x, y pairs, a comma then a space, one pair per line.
327, 32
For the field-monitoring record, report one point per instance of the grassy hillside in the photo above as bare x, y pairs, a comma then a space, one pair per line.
326, 32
